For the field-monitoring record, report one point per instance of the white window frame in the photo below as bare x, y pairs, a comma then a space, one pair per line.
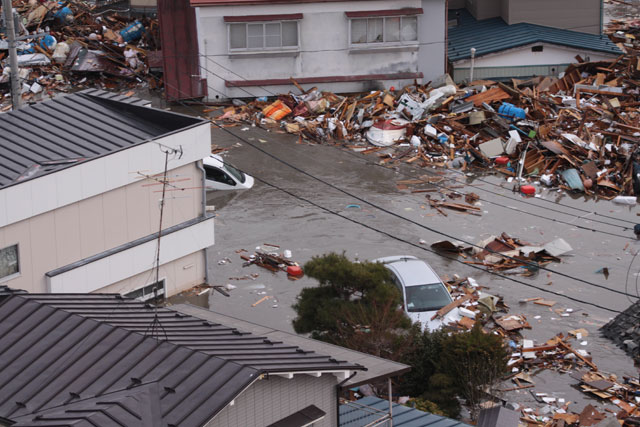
264, 48
386, 43
18, 273
146, 297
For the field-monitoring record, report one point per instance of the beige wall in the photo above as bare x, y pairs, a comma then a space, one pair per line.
577, 15
91, 226
270, 400
139, 4
484, 9
179, 275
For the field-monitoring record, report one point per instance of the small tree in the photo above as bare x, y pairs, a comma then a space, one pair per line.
475, 362
355, 305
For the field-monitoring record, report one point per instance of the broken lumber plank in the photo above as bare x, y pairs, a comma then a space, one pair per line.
447, 308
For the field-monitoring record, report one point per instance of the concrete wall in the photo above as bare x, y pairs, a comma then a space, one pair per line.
270, 400
523, 56
324, 47
521, 62
484, 9
576, 15
87, 227
432, 28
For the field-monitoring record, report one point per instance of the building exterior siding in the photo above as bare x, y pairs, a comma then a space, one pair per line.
576, 15
271, 399
324, 48
91, 226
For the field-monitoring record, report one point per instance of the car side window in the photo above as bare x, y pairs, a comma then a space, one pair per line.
396, 281
217, 175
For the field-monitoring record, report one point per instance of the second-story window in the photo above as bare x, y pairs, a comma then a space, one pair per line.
263, 35
388, 29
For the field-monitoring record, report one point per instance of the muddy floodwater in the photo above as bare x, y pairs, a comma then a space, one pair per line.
358, 209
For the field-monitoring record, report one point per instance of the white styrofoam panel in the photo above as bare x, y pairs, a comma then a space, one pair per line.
68, 185
117, 168
43, 196
133, 261
93, 177
19, 204
116, 171
3, 207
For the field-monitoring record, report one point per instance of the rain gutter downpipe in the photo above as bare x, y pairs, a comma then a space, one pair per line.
338, 388
204, 214
473, 63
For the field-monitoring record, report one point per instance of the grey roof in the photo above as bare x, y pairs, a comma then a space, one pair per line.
265, 354
498, 416
65, 131
369, 409
64, 369
495, 35
377, 367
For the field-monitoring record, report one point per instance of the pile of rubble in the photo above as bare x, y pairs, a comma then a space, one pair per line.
562, 353
69, 46
577, 133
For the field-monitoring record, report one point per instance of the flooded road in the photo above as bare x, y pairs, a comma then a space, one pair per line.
395, 222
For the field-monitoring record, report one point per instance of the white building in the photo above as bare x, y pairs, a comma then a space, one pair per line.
253, 48
80, 191
521, 39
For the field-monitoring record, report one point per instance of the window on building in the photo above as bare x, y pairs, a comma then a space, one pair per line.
149, 292
537, 48
9, 262
389, 29
263, 35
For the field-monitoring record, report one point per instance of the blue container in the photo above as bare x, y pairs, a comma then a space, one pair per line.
132, 32
64, 15
48, 42
511, 111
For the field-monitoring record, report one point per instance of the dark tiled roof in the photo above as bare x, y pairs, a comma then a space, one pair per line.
204, 336
38, 139
55, 364
377, 368
495, 35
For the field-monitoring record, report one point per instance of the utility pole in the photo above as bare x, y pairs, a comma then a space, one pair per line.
10, 32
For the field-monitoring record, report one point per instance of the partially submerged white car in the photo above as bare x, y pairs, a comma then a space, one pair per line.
423, 293
223, 176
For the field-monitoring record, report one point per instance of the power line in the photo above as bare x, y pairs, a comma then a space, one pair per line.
414, 222
625, 228
392, 236
407, 219
511, 198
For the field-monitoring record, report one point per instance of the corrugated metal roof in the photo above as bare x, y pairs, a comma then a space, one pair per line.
65, 131
495, 35
211, 338
56, 363
377, 367
368, 409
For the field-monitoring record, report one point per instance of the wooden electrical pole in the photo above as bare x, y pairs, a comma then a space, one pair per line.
10, 33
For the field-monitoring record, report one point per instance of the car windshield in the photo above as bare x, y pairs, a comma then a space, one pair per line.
427, 297
238, 174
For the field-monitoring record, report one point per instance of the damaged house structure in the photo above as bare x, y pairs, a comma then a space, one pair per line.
81, 179
104, 360
253, 48
522, 39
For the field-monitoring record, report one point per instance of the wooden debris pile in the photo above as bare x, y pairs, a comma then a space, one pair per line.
73, 45
507, 254
269, 258
578, 133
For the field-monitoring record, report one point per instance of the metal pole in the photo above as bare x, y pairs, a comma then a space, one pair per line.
390, 404
7, 7
473, 63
